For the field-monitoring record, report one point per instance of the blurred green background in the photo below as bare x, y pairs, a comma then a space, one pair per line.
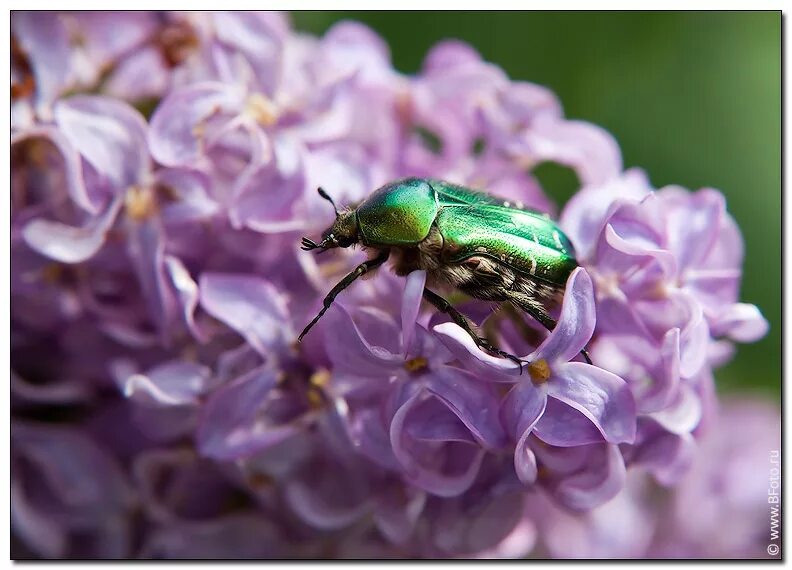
693, 98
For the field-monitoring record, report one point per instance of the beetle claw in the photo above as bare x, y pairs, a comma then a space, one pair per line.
484, 344
308, 244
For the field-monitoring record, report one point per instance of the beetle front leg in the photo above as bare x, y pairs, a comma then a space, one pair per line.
445, 307
359, 271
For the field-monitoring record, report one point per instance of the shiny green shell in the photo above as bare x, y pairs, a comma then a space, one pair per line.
399, 213
472, 224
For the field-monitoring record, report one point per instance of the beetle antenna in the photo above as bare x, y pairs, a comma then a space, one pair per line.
327, 197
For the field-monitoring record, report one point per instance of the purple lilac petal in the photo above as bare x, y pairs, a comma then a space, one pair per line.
146, 247
728, 250
175, 483
666, 376
45, 40
576, 323
257, 35
600, 533
84, 480
589, 150
715, 289
108, 35
564, 426
380, 327
562, 460
109, 135
187, 292
693, 338
425, 344
397, 512
522, 102
585, 214
668, 456
411, 304
230, 424
270, 211
308, 506
445, 471
601, 396
246, 536
683, 414
371, 437
472, 401
518, 544
719, 352
59, 392
140, 75
479, 523
637, 250
615, 315
693, 230
520, 411
40, 532
448, 54
174, 383
177, 133
350, 351
525, 462
329, 495
261, 155
741, 322
432, 421
251, 306
164, 424
522, 407
67, 243
601, 481
72, 167
473, 359
357, 49
193, 200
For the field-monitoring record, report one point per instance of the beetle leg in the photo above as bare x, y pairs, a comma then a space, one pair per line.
541, 316
445, 307
360, 270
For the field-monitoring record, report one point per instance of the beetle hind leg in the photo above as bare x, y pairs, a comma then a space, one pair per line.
445, 307
540, 315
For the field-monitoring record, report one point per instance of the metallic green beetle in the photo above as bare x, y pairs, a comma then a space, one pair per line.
488, 248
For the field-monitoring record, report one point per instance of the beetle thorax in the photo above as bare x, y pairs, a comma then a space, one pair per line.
344, 231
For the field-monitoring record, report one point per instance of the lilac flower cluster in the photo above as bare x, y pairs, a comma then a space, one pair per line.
164, 167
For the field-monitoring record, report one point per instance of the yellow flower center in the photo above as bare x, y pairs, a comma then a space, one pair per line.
415, 365
262, 109
315, 398
320, 378
539, 371
140, 203
316, 385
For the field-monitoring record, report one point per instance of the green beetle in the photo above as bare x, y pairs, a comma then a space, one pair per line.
488, 248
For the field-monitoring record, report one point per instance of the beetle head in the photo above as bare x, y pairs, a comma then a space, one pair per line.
343, 232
